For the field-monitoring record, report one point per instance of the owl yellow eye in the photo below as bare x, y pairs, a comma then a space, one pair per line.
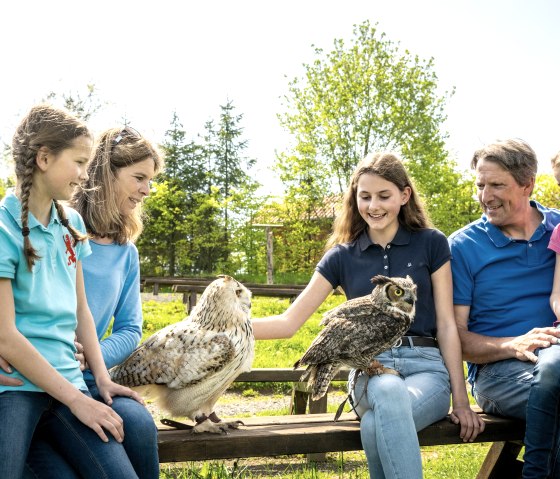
398, 292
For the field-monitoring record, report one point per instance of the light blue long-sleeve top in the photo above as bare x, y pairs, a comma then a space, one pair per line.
112, 283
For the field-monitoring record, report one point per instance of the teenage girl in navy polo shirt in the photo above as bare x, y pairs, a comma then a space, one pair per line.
383, 229
43, 305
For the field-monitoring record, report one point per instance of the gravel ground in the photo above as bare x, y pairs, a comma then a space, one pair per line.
232, 404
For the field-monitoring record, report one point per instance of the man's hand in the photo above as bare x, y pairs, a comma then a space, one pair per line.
6, 380
524, 346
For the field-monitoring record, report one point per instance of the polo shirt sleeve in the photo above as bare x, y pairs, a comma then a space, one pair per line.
329, 266
439, 251
554, 243
9, 255
463, 281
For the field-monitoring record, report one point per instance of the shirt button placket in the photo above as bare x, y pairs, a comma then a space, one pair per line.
386, 259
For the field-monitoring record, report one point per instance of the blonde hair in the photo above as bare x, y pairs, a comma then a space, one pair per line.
116, 148
350, 224
43, 127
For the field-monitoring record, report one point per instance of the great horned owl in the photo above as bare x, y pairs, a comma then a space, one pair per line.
358, 330
188, 365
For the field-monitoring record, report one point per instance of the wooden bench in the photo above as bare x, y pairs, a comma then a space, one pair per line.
318, 433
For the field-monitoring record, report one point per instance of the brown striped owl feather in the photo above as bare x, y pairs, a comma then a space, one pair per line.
358, 330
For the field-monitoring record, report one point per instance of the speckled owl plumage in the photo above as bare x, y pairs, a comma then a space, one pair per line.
358, 330
188, 365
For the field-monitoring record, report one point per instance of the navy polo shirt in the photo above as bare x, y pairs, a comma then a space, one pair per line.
415, 253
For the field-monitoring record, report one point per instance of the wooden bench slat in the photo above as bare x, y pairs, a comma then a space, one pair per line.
307, 433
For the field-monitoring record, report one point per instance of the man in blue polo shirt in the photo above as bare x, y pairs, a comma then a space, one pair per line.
502, 279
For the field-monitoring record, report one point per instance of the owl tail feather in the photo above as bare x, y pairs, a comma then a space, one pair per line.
320, 379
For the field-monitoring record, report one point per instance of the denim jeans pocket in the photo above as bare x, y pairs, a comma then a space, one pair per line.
427, 352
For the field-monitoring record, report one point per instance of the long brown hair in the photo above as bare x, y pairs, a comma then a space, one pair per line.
349, 224
116, 148
43, 127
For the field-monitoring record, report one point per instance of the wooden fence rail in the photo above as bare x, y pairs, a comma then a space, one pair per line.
191, 287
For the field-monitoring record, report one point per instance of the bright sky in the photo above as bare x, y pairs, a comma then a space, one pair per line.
148, 59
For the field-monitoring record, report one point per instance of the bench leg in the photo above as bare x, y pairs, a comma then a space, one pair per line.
299, 401
501, 461
300, 398
319, 406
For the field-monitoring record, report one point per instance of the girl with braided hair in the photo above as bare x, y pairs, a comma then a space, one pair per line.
119, 175
43, 306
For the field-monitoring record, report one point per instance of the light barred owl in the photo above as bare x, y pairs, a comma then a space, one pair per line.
188, 365
358, 330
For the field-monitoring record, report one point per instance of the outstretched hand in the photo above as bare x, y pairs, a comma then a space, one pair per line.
471, 423
524, 346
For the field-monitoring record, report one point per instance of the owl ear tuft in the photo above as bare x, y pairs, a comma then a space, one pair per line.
380, 279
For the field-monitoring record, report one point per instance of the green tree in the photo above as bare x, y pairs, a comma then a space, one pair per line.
546, 191
368, 96
230, 165
164, 242
183, 229
364, 96
5, 183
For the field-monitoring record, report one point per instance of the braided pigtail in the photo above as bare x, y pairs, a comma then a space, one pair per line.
77, 235
27, 181
45, 129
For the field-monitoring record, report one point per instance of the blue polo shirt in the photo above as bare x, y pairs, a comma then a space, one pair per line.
505, 282
415, 253
44, 298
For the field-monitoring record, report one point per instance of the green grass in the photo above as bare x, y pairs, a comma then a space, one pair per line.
440, 462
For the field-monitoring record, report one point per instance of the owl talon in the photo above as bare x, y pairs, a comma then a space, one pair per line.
221, 427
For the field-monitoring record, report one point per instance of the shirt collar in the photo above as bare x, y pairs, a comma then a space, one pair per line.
13, 207
401, 238
500, 240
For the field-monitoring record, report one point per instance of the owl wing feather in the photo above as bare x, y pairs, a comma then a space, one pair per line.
348, 308
339, 331
351, 335
177, 356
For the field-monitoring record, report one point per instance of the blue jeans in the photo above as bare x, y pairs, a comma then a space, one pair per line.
393, 409
502, 388
542, 436
140, 443
23, 413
